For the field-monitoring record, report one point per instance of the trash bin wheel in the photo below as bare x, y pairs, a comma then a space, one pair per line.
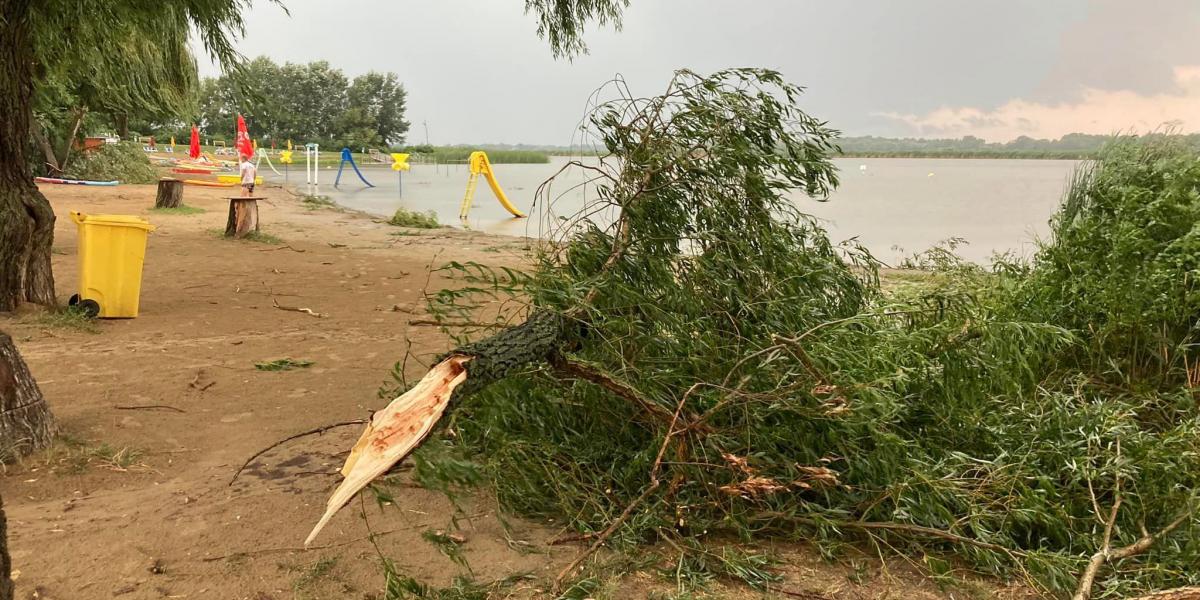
90, 307
73, 300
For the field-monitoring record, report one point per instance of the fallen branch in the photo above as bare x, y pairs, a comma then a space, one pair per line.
150, 407
655, 482
794, 594
1107, 554
285, 440
902, 528
1183, 593
577, 370
307, 311
436, 323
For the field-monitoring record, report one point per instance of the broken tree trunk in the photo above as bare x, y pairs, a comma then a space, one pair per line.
25, 420
394, 432
243, 217
170, 193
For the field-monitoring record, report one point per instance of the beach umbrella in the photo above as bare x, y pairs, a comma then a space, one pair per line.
243, 138
194, 146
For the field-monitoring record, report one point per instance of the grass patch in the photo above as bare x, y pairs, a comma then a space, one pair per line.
254, 236
405, 233
182, 209
312, 574
283, 364
262, 238
418, 220
315, 202
73, 456
69, 317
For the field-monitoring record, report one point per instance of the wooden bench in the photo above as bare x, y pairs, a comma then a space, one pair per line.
243, 216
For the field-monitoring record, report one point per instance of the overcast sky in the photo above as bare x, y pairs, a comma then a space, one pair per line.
476, 72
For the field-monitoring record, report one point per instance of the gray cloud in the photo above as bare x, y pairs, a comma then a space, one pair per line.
476, 72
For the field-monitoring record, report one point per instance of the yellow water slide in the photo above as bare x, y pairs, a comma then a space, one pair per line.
481, 166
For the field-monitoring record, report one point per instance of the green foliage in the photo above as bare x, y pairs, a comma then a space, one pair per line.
410, 218
283, 364
311, 102
562, 21
1005, 409
124, 162
1124, 260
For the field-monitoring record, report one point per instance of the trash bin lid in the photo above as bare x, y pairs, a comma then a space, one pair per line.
112, 220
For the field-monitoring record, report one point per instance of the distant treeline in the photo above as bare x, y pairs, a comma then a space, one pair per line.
453, 154
1073, 146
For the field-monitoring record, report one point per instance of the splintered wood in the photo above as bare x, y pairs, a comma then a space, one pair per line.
394, 432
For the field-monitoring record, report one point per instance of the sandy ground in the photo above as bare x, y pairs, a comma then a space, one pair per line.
159, 412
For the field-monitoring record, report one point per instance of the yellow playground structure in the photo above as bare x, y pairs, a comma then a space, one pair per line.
479, 165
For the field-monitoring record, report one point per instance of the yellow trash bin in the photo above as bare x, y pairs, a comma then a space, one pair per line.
111, 251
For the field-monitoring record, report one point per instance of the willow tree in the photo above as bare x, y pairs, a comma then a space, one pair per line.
163, 86
40, 37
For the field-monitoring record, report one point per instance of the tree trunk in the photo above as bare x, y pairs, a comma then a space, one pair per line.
170, 193
25, 420
121, 121
243, 217
6, 584
395, 431
26, 219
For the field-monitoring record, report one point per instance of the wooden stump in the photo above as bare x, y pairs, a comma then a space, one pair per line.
25, 420
243, 217
170, 193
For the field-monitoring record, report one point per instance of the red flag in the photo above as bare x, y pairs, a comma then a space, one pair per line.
243, 139
194, 146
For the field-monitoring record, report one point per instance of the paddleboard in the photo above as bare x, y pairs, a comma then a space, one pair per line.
72, 181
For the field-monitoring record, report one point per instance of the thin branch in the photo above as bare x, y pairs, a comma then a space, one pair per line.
150, 407
315, 431
307, 311
902, 528
655, 482
577, 370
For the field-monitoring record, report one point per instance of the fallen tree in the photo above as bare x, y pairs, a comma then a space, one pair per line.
707, 363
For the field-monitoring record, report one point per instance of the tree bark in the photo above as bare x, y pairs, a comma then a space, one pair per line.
26, 424
6, 584
170, 193
395, 431
26, 219
243, 217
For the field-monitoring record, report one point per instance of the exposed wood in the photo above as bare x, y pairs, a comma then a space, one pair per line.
398, 429
170, 193
26, 424
243, 217
394, 432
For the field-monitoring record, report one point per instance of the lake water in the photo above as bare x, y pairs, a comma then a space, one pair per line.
892, 206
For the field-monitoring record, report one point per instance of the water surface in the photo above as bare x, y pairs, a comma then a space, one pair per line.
892, 206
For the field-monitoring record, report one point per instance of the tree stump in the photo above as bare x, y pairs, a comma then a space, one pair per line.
25, 420
243, 217
170, 193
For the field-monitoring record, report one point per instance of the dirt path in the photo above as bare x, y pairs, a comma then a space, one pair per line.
136, 502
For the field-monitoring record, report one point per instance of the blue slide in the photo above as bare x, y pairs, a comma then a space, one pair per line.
347, 157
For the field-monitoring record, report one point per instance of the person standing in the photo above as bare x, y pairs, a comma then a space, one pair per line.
249, 174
